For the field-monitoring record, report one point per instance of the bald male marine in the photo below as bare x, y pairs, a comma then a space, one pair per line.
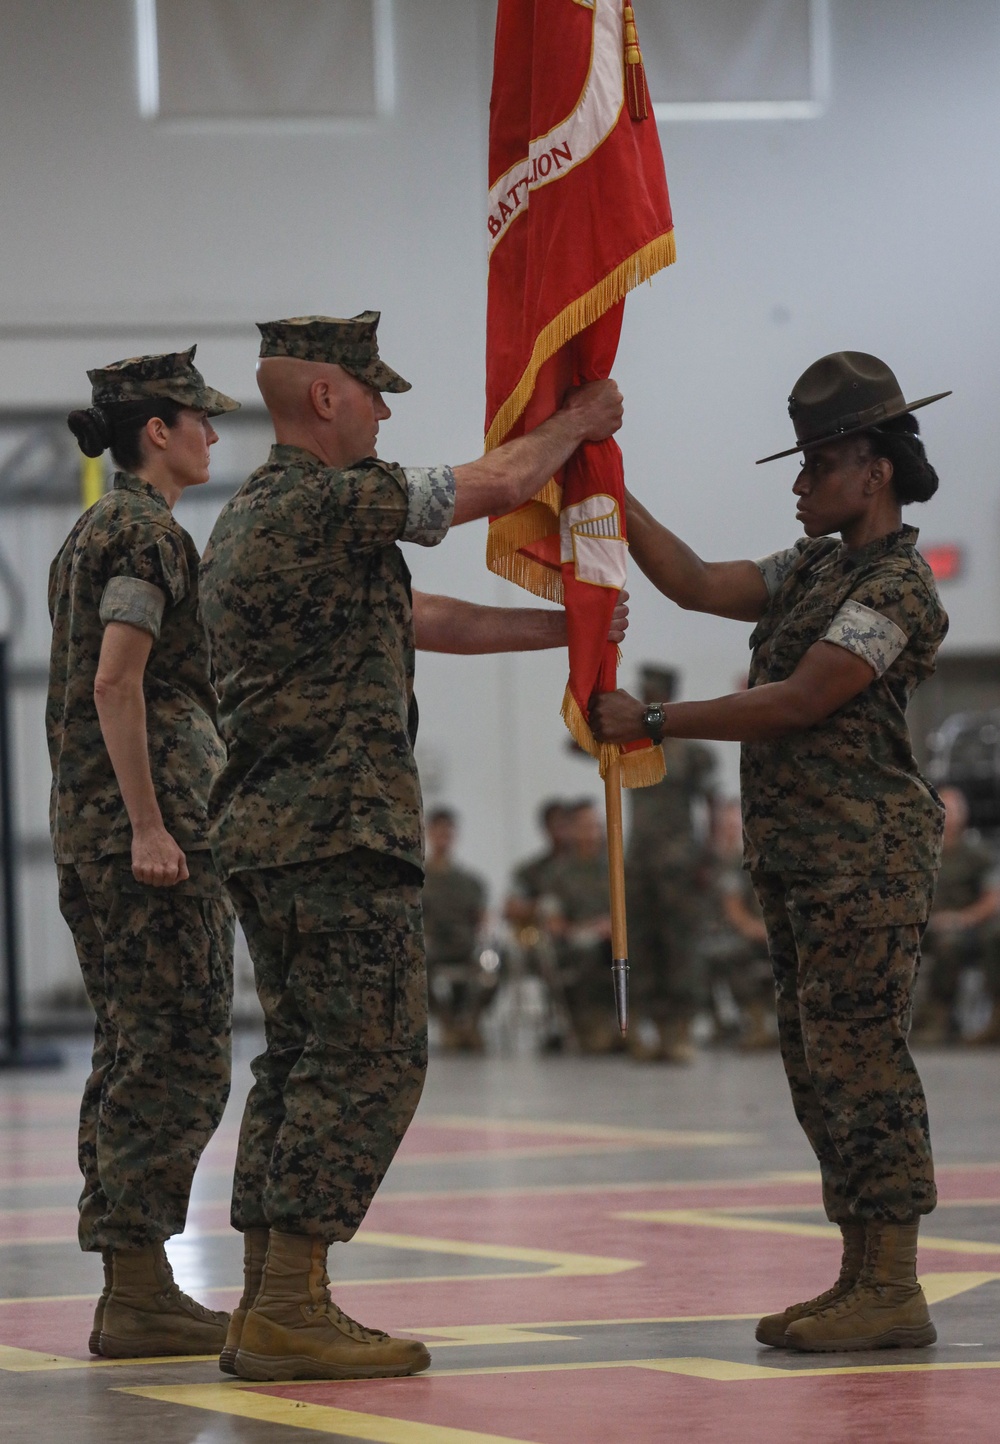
316, 817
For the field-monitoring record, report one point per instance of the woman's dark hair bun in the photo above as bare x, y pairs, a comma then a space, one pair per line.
913, 477
92, 430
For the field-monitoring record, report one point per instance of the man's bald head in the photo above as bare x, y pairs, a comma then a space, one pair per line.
286, 384
321, 407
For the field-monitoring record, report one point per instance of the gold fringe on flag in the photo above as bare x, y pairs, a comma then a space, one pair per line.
538, 518
641, 768
642, 265
636, 93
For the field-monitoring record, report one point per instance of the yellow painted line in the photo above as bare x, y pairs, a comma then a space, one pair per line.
72, 1176
723, 1372
597, 1148
718, 1218
52, 1208
938, 1287
956, 1245
555, 1264
816, 1207
295, 1414
664, 1137
565, 1190
721, 1218
496, 1335
720, 1370
33, 1361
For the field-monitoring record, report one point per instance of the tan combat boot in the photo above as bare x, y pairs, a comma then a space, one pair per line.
772, 1328
254, 1254
94, 1342
886, 1308
296, 1331
146, 1315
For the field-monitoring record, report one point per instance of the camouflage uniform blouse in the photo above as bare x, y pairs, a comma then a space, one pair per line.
306, 600
454, 902
128, 560
845, 796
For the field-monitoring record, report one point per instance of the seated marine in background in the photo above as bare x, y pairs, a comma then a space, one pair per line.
667, 864
454, 913
734, 942
962, 931
576, 913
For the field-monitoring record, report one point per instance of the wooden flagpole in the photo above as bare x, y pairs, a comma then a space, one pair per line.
616, 880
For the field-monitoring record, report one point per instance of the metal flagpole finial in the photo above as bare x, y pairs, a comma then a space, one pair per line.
619, 976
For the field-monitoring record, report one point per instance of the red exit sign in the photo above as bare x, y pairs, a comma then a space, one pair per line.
946, 560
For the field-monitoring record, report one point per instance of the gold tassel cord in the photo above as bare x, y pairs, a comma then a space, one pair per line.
636, 93
642, 265
642, 768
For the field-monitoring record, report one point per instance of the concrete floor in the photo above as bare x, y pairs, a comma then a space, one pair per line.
584, 1245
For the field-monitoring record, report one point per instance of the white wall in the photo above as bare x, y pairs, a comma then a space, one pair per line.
873, 228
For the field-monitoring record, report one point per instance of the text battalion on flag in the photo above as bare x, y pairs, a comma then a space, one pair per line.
574, 139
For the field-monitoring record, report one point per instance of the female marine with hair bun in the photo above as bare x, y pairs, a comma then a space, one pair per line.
842, 834
131, 723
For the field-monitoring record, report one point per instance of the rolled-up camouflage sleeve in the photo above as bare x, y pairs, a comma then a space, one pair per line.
869, 634
431, 504
778, 566
131, 600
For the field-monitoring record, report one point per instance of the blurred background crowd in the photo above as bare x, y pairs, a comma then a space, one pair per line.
534, 971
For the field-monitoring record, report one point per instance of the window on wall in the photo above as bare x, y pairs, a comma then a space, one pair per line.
264, 61
720, 60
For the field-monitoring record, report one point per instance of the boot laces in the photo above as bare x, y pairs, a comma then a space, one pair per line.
351, 1326
175, 1298
343, 1321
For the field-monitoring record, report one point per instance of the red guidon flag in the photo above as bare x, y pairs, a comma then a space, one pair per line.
578, 215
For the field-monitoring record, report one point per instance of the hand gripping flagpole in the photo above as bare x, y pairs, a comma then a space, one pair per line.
616, 880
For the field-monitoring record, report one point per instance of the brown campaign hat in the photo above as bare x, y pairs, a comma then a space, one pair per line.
148, 378
843, 393
350, 343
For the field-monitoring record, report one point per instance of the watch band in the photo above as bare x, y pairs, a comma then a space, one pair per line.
653, 720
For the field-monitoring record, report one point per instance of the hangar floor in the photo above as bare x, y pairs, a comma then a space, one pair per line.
585, 1247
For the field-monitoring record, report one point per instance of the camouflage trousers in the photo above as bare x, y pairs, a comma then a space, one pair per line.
662, 915
157, 964
337, 949
845, 953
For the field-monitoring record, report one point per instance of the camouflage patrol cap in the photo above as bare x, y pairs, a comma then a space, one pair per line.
350, 343
172, 376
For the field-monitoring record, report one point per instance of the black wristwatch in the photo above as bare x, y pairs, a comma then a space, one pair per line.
653, 720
